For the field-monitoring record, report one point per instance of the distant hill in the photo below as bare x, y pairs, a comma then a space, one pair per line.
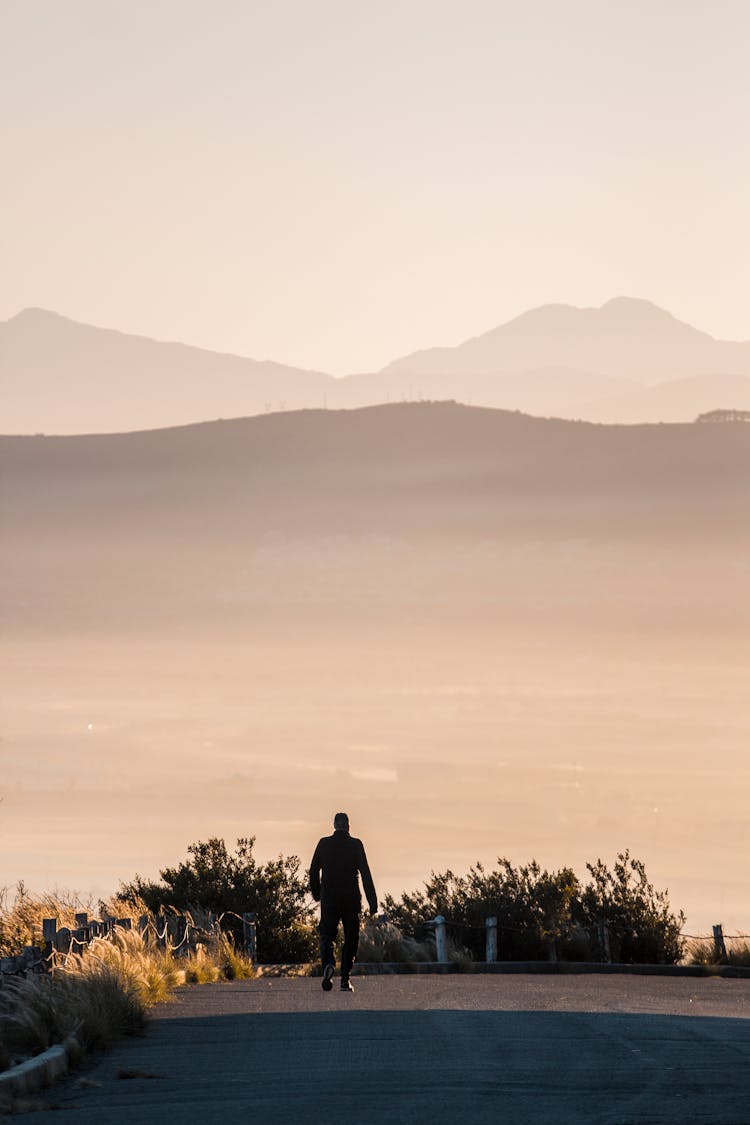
374, 511
409, 469
627, 361
59, 376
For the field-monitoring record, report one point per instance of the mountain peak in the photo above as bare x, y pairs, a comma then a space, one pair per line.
637, 306
34, 312
626, 337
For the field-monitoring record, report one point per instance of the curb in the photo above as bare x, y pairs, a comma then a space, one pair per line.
545, 968
582, 968
41, 1070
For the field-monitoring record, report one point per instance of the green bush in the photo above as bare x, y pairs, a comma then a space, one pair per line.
544, 914
532, 907
643, 928
227, 883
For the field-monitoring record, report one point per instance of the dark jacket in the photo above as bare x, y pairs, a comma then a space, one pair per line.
341, 858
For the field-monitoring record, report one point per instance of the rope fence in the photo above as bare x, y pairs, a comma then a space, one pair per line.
180, 935
176, 934
441, 926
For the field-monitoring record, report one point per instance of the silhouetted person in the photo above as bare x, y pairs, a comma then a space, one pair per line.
341, 859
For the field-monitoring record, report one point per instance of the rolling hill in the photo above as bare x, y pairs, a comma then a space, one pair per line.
331, 506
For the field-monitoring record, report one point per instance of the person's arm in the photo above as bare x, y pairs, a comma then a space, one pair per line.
315, 865
367, 883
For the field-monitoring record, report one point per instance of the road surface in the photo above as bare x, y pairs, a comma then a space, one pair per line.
610, 1050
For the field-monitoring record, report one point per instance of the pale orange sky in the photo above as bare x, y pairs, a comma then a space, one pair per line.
333, 185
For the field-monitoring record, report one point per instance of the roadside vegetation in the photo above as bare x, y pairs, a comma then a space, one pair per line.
21, 916
106, 990
95, 996
380, 941
702, 951
230, 883
616, 914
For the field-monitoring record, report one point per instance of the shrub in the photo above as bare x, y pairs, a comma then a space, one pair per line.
533, 908
232, 883
643, 928
542, 914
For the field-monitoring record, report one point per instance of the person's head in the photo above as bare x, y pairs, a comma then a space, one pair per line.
341, 822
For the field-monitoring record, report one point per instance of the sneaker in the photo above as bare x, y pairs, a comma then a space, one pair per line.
346, 985
327, 981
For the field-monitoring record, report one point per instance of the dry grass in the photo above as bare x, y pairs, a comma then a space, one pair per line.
152, 973
461, 957
97, 996
95, 1006
381, 941
103, 992
21, 915
231, 964
702, 951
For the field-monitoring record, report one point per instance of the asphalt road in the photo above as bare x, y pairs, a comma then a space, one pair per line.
621, 1050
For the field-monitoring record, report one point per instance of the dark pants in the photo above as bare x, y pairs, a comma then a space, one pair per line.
331, 913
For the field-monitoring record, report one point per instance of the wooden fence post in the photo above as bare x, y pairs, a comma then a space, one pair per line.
63, 940
605, 951
491, 939
180, 936
720, 948
441, 942
249, 935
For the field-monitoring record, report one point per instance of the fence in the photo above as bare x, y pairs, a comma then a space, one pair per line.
602, 935
491, 928
181, 935
178, 933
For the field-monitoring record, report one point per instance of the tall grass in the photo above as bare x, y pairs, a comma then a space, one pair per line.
149, 972
104, 992
96, 996
382, 941
21, 915
702, 951
231, 964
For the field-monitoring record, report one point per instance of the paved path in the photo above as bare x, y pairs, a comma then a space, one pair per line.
410, 1050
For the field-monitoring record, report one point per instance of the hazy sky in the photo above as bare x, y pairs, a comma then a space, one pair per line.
335, 184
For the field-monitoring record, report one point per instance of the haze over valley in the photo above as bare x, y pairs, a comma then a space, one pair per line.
481, 632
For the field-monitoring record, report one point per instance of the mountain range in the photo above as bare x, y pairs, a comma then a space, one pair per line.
625, 362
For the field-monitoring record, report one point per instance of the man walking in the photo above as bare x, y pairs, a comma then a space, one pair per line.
340, 858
